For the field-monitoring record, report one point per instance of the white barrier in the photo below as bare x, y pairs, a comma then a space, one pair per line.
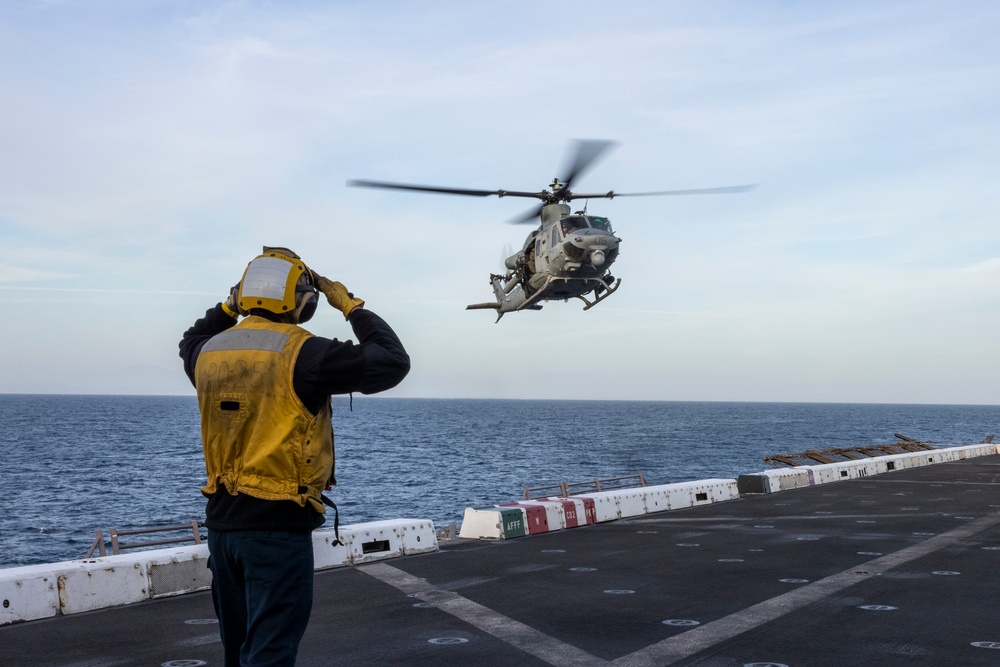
28, 593
895, 462
104, 583
498, 523
379, 540
178, 570
631, 502
656, 498
605, 506
327, 552
597, 507
984, 449
782, 479
618, 504
70, 587
833, 472
702, 492
837, 472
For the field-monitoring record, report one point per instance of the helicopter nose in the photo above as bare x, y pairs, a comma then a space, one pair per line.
597, 258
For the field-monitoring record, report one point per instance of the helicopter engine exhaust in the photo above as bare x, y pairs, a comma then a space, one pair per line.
597, 258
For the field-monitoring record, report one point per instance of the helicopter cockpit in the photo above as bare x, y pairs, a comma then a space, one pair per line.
572, 223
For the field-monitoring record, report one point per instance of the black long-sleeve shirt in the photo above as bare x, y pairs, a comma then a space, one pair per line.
324, 367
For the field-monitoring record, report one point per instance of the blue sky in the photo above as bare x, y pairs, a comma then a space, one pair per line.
151, 148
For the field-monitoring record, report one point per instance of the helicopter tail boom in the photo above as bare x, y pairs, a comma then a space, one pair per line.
510, 297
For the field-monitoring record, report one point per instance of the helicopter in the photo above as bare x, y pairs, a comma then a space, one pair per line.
570, 254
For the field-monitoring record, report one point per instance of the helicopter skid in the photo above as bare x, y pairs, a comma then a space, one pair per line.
608, 291
512, 299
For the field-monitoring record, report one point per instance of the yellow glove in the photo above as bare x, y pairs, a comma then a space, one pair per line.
337, 295
231, 305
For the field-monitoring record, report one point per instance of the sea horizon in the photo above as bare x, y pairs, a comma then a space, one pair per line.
390, 396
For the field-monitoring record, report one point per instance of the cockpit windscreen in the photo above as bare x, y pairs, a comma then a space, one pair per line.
571, 223
601, 223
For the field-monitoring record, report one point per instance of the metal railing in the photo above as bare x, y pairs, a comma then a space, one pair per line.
117, 546
575, 488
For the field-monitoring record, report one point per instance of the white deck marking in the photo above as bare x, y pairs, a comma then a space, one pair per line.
515, 633
678, 647
710, 634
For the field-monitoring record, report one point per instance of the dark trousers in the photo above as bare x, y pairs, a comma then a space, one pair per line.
262, 587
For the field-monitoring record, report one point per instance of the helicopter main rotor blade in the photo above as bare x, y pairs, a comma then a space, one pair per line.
611, 194
731, 189
587, 152
444, 190
531, 215
423, 188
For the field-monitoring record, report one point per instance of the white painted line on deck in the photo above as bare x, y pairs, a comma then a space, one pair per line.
678, 647
711, 634
515, 633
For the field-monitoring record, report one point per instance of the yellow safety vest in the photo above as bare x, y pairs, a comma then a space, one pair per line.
258, 437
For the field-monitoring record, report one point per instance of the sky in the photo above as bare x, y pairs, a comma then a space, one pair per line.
151, 148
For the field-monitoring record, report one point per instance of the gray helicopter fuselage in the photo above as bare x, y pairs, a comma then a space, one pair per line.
568, 254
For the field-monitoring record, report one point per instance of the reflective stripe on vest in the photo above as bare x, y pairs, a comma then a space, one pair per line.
247, 339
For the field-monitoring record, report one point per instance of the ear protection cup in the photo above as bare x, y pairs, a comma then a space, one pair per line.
309, 308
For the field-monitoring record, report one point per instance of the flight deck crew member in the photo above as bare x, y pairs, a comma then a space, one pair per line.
264, 388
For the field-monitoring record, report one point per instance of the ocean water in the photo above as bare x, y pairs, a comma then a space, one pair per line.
74, 464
